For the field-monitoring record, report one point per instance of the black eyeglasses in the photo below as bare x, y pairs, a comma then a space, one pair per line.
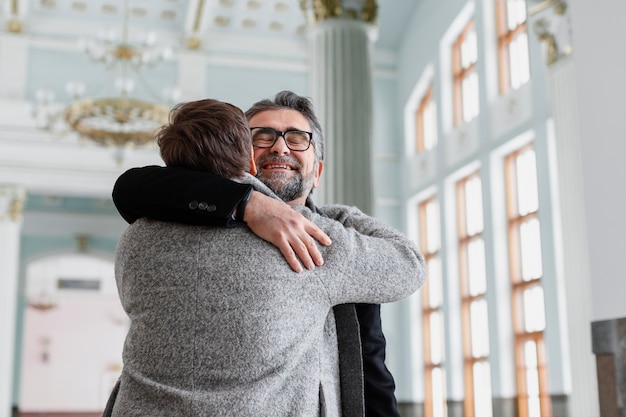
266, 137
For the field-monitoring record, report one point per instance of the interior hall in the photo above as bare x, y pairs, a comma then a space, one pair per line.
488, 131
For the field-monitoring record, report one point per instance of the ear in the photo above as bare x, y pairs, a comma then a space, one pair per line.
318, 173
253, 170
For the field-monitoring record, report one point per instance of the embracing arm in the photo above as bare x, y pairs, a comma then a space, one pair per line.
373, 262
178, 195
195, 197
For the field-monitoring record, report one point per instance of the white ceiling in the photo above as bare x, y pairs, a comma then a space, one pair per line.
179, 19
49, 164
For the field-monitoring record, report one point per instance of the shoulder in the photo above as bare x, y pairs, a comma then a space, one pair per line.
152, 234
257, 185
339, 211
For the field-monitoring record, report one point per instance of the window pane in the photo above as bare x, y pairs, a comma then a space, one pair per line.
482, 390
530, 354
526, 172
435, 290
476, 272
532, 378
439, 397
433, 235
469, 92
436, 338
430, 126
530, 245
518, 61
516, 13
534, 407
532, 382
473, 206
469, 50
534, 310
479, 327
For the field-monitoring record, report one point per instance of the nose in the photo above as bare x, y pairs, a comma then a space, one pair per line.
280, 146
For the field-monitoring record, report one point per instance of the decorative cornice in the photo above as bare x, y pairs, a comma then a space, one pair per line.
549, 40
81, 243
318, 10
194, 40
15, 26
560, 6
549, 19
11, 203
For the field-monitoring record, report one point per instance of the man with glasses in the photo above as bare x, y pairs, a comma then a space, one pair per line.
288, 151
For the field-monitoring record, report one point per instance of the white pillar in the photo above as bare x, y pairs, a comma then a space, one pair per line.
583, 399
11, 203
342, 95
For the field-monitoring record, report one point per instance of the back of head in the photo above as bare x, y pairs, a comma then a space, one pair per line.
291, 101
208, 135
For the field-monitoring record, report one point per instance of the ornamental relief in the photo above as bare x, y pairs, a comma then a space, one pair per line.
11, 203
326, 9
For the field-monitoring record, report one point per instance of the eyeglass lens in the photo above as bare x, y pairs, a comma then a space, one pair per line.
296, 140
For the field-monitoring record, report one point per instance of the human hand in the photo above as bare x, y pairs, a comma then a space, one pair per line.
292, 233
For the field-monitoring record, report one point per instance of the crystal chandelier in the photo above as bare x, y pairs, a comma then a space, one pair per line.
118, 121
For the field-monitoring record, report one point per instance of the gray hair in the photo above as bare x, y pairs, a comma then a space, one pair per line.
292, 101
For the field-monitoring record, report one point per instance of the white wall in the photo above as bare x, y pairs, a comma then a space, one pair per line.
71, 354
598, 40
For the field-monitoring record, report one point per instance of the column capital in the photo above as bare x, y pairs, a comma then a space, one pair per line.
12, 200
319, 10
552, 28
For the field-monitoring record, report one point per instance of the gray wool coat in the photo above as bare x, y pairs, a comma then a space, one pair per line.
221, 326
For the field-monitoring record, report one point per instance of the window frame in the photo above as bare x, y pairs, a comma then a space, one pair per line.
464, 239
506, 37
427, 313
460, 74
518, 287
420, 138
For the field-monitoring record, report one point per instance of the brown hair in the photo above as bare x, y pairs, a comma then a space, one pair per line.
208, 135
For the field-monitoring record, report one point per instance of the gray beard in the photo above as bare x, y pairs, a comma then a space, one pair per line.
289, 188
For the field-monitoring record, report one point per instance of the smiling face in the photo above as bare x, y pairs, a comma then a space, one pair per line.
290, 174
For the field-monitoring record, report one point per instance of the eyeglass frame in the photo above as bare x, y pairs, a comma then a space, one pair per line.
282, 134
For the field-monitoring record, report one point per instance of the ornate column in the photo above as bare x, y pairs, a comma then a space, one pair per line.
583, 400
552, 27
14, 13
11, 203
341, 33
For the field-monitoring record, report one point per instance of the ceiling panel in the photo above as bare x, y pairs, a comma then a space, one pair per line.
177, 19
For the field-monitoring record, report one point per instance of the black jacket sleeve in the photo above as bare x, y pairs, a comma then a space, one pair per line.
178, 195
380, 399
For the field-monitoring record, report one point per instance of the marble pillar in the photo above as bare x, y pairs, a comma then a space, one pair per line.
11, 203
583, 399
340, 40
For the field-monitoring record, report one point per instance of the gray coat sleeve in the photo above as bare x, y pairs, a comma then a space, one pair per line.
374, 263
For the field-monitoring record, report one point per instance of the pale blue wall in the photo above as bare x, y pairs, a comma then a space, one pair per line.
238, 86
34, 246
74, 65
